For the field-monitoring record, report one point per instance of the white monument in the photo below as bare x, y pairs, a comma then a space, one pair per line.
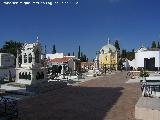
29, 69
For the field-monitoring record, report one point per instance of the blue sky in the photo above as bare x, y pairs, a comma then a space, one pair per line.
88, 24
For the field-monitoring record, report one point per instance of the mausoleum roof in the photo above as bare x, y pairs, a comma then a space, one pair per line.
141, 49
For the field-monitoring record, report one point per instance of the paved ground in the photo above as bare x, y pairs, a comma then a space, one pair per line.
105, 98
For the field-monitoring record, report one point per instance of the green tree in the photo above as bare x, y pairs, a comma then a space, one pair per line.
69, 54
84, 58
158, 45
124, 53
81, 57
79, 53
11, 47
45, 51
130, 55
154, 45
116, 44
87, 60
133, 54
54, 49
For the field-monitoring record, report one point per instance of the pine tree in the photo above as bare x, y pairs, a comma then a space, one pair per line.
116, 44
73, 54
133, 54
69, 54
81, 57
124, 53
84, 58
54, 49
79, 53
158, 45
87, 60
12, 47
154, 45
45, 51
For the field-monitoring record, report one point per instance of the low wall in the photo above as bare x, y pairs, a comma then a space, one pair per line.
147, 109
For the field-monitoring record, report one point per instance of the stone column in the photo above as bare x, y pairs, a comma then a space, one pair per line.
33, 58
22, 57
62, 71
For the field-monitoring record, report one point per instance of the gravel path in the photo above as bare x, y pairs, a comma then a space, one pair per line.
104, 98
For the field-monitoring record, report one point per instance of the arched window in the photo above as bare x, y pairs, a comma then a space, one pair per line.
29, 76
30, 58
110, 50
102, 51
20, 76
25, 58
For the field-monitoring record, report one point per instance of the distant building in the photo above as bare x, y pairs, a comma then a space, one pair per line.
63, 63
6, 60
108, 56
53, 56
87, 65
148, 59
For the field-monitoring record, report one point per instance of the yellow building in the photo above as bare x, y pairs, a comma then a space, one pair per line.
108, 57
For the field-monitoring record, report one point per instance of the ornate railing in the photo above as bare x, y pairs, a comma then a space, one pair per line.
150, 88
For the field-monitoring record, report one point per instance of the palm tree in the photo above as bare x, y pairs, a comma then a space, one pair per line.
11, 47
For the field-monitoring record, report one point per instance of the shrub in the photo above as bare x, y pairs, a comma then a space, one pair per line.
144, 73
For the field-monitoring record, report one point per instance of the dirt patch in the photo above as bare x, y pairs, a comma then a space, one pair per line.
105, 98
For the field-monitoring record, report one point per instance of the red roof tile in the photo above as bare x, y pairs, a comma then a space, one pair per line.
65, 59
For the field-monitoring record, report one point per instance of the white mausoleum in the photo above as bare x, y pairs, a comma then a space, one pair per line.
29, 69
146, 58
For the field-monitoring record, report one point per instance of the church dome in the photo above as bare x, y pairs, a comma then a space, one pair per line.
107, 48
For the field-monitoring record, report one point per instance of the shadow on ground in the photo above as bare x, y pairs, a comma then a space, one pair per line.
72, 103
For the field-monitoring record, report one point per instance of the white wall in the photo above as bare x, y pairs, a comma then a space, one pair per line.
53, 56
139, 57
132, 63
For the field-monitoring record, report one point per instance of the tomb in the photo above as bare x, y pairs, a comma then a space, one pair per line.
29, 69
148, 106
